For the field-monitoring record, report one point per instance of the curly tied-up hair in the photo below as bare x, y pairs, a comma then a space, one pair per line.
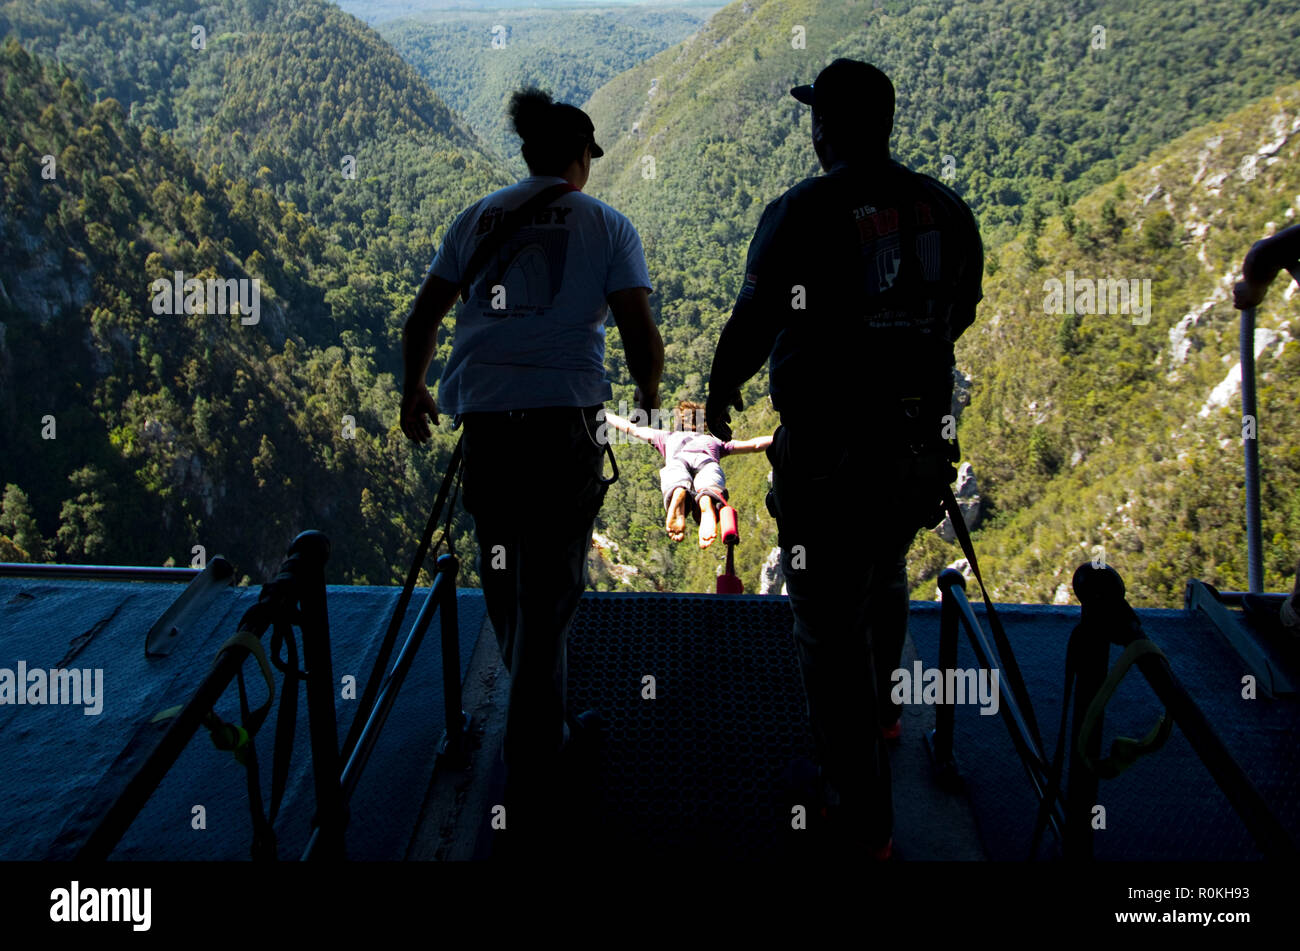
546, 152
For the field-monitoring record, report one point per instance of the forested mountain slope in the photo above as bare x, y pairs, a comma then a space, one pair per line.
474, 61
705, 134
298, 99
1033, 116
1125, 431
217, 433
227, 160
1119, 435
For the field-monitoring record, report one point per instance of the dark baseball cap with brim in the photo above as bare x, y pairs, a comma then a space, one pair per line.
573, 120
849, 89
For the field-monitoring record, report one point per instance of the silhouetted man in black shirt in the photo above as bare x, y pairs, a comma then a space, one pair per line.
856, 284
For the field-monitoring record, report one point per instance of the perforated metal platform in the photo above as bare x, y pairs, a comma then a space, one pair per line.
699, 767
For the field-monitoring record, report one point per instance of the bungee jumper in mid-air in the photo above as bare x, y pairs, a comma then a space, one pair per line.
692, 467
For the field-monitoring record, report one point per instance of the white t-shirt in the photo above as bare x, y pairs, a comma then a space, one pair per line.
532, 333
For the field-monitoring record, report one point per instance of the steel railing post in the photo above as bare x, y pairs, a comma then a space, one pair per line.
1098, 589
945, 717
331, 810
452, 747
1250, 445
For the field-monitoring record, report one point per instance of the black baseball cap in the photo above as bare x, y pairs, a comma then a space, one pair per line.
850, 90
571, 119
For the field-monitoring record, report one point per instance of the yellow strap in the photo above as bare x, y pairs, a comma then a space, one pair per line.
244, 638
167, 714
1124, 750
232, 736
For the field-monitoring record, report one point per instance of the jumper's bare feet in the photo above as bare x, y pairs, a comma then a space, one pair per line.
708, 522
676, 521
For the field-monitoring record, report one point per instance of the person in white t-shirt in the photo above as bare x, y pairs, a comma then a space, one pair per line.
526, 377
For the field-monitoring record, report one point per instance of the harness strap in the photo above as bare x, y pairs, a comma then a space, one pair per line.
399, 612
1005, 653
237, 739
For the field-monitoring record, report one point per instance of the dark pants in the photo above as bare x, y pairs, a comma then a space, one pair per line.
532, 484
845, 519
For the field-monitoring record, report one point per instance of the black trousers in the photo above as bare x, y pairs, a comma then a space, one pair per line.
532, 482
845, 519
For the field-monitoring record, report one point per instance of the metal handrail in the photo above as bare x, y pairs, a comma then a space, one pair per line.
956, 608
1106, 619
1250, 445
442, 595
296, 595
303, 565
1108, 615
17, 569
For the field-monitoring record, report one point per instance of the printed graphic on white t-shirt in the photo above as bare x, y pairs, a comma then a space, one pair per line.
533, 330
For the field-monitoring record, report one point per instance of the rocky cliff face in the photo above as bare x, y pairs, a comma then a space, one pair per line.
1107, 429
771, 579
968, 500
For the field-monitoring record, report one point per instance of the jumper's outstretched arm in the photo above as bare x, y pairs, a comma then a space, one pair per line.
644, 433
757, 444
